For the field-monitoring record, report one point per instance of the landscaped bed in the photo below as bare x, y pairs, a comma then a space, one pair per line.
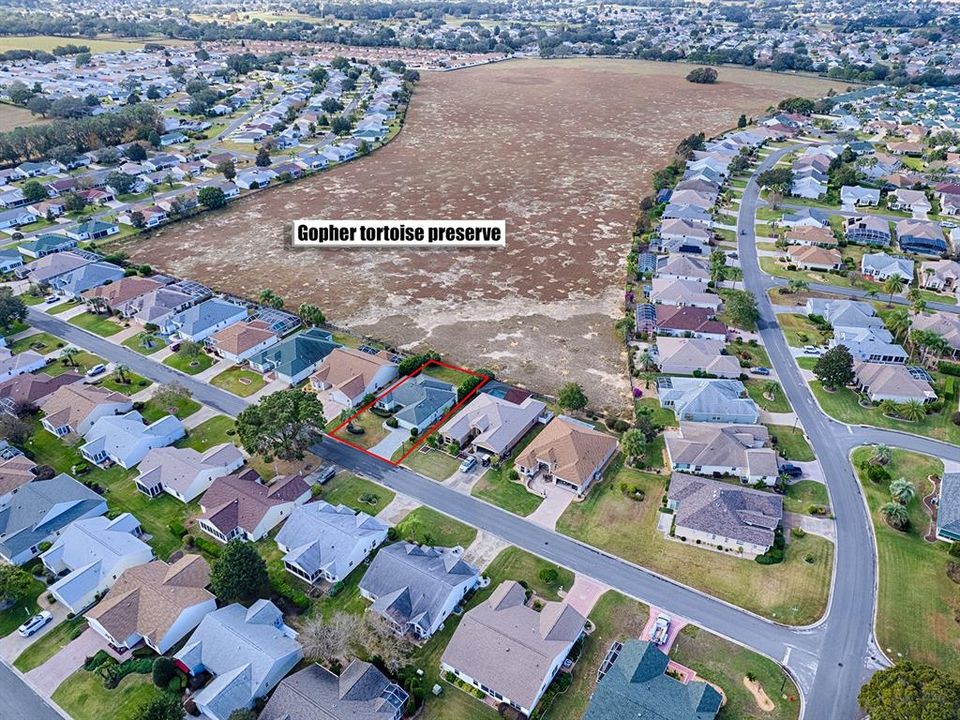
42, 342
145, 343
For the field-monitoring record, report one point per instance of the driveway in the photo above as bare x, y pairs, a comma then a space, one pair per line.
391, 443
464, 481
676, 625
12, 645
483, 549
54, 671
824, 527
552, 507
584, 594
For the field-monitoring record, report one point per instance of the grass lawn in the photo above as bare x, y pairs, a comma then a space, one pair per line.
770, 266
81, 362
62, 307
130, 385
347, 489
84, 697
426, 526
806, 362
659, 415
145, 343
454, 377
913, 574
210, 432
28, 298
754, 355
15, 329
844, 406
776, 403
50, 644
239, 381
801, 495
433, 463
97, 324
791, 443
496, 487
43, 343
15, 615
183, 407
935, 297
49, 42
189, 365
792, 592
799, 331
373, 430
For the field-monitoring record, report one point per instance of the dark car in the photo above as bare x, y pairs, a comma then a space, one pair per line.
760, 371
791, 470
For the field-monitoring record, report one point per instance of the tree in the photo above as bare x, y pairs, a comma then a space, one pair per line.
15, 583
633, 443
12, 309
227, 169
165, 706
911, 691
282, 425
912, 410
835, 367
212, 197
34, 192
243, 714
896, 515
269, 298
121, 183
312, 315
742, 121
69, 355
892, 285
73, 203
136, 152
898, 322
341, 125
163, 671
702, 75
326, 640
778, 178
171, 396
718, 266
39, 105
263, 157
239, 573
571, 397
378, 639
798, 286
137, 219
882, 454
741, 309
903, 491
14, 430
799, 105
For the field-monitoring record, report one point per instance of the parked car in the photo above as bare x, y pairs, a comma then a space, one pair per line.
325, 475
50, 299
35, 623
661, 630
812, 350
760, 371
98, 369
469, 464
791, 470
949, 224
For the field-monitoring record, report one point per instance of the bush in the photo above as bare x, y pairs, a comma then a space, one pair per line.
771, 557
949, 368
92, 663
163, 671
798, 532
954, 549
955, 418
392, 422
282, 588
176, 527
208, 546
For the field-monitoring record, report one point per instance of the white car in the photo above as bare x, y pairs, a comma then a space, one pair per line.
812, 350
35, 623
469, 464
96, 370
661, 630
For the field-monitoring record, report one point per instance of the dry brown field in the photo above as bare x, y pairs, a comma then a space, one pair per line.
563, 150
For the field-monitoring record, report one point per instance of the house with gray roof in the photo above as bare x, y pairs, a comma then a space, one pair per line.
90, 555
41, 245
12, 366
87, 277
493, 425
327, 542
10, 259
185, 473
635, 684
247, 650
295, 358
417, 587
852, 196
948, 508
39, 511
707, 400
198, 322
49, 267
126, 439
740, 451
510, 651
723, 515
867, 230
418, 402
880, 266
360, 692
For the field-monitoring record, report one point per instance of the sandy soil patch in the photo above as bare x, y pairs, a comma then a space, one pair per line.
759, 695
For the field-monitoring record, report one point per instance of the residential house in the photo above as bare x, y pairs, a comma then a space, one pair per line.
683, 293
707, 400
242, 340
741, 451
43, 270
75, 408
914, 201
346, 376
921, 236
940, 275
683, 267
17, 217
568, 453
810, 235
689, 356
880, 266
92, 230
126, 439
156, 603
810, 187
22, 363
254, 178
676, 321
119, 296
41, 245
246, 650
677, 235
242, 506
15, 472
92, 275
948, 508
635, 682
867, 230
90, 555
360, 692
39, 511
186, 473
323, 542
884, 381
155, 306
944, 324
804, 217
493, 425
852, 196
294, 358
418, 402
814, 258
509, 651
416, 587
10, 259
197, 322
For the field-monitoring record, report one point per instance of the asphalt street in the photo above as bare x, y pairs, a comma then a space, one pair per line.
20, 702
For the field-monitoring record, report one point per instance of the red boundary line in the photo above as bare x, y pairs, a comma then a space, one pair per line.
484, 379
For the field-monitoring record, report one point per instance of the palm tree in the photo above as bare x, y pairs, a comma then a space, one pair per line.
645, 359
770, 389
122, 373
937, 346
896, 515
888, 407
798, 286
892, 285
919, 305
912, 410
903, 491
898, 323
69, 355
882, 454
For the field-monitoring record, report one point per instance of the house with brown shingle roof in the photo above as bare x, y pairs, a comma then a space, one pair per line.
677, 321
75, 408
14, 474
508, 650
29, 389
811, 257
242, 506
346, 376
242, 340
883, 381
568, 453
808, 235
120, 294
157, 603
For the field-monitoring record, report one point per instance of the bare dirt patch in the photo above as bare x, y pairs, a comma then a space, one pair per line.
759, 695
563, 150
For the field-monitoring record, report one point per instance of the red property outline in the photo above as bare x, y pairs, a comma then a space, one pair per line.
484, 379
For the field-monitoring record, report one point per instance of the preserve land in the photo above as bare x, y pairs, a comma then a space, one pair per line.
562, 150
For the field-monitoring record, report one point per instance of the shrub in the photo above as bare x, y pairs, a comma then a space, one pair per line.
163, 671
176, 527
798, 532
392, 422
282, 588
954, 549
208, 546
955, 418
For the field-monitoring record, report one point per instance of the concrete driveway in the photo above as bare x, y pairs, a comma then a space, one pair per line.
391, 443
12, 645
552, 507
464, 481
54, 671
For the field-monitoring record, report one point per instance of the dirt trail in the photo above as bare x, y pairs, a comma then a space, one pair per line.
563, 150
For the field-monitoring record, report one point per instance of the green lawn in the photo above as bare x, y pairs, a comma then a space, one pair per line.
239, 381
15, 615
212, 431
770, 266
801, 495
496, 487
28, 298
130, 385
799, 331
806, 362
434, 464
373, 430
777, 401
62, 307
84, 696
50, 644
426, 526
15, 329
793, 592
145, 343
754, 355
43, 343
80, 363
659, 415
357, 493
97, 324
182, 407
913, 576
454, 377
791, 443
189, 365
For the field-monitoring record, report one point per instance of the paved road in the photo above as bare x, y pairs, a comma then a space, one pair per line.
19, 701
863, 294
